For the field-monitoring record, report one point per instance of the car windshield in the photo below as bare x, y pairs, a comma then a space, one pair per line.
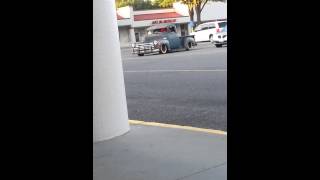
222, 24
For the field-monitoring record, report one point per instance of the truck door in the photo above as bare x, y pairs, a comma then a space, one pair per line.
174, 39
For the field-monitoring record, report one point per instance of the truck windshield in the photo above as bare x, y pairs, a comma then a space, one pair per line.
160, 30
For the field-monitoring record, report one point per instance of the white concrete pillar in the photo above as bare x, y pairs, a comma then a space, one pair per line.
132, 35
110, 115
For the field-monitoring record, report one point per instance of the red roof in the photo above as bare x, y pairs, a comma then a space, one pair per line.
142, 17
119, 17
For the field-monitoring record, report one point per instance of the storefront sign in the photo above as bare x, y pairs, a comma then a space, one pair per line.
164, 21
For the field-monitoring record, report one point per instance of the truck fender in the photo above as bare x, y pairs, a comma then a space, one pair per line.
166, 42
187, 41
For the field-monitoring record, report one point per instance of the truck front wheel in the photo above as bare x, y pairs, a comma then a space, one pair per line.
163, 49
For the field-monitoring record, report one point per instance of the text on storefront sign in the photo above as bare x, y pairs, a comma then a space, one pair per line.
164, 21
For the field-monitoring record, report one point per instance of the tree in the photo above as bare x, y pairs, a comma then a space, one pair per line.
189, 3
122, 3
193, 6
138, 4
165, 3
199, 5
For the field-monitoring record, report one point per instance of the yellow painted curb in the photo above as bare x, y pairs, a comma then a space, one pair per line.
211, 131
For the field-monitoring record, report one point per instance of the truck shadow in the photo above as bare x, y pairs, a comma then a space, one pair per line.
178, 51
200, 46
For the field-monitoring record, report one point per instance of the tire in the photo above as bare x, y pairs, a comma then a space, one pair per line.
163, 49
140, 54
218, 45
188, 45
211, 38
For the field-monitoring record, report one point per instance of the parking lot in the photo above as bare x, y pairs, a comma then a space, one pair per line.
184, 88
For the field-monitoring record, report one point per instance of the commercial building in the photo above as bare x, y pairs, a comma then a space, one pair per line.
132, 25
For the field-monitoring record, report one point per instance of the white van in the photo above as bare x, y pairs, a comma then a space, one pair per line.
205, 31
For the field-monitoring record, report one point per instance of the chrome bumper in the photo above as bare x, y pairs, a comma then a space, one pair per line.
144, 48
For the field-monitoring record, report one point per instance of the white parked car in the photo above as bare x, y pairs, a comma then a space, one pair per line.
220, 38
206, 31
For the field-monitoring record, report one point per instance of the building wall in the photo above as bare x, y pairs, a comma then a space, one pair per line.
125, 12
124, 37
178, 28
153, 11
148, 23
184, 29
124, 22
142, 33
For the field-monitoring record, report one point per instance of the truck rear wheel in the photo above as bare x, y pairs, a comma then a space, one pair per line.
163, 49
188, 45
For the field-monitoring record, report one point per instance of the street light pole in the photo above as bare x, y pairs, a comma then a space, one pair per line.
110, 115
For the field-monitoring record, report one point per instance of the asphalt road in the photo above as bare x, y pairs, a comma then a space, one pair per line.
184, 88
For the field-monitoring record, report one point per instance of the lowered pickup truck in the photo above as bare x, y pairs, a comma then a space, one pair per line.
163, 39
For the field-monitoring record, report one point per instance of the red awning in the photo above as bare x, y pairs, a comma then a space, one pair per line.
142, 17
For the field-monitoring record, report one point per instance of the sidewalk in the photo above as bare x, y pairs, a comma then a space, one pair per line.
161, 153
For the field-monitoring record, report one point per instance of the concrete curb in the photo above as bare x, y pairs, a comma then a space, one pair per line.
210, 131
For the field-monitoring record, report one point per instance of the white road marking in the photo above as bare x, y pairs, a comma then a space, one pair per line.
155, 71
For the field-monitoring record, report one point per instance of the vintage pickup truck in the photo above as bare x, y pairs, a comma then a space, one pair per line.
163, 39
